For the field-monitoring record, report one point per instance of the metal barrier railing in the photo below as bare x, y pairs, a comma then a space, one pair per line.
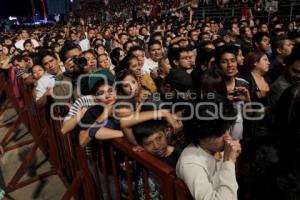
116, 173
20, 96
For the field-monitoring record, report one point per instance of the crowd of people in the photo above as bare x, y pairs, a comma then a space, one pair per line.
146, 10
217, 100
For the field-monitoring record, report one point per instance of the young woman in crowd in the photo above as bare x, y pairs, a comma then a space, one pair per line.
91, 58
116, 56
257, 65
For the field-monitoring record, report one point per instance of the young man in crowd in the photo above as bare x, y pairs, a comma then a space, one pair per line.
155, 51
282, 47
152, 136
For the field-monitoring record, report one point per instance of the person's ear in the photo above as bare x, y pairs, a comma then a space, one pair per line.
279, 51
203, 67
176, 62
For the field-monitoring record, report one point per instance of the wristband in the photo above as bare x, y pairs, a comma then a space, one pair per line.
93, 130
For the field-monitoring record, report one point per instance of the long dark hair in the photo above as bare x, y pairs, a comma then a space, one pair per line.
125, 63
114, 56
120, 77
212, 82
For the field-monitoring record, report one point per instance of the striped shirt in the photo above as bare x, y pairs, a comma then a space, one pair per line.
84, 101
21, 72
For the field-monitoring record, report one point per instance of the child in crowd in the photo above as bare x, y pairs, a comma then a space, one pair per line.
151, 135
37, 72
43, 83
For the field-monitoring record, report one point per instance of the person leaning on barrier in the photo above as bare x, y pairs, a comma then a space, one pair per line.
47, 82
152, 136
80, 106
207, 165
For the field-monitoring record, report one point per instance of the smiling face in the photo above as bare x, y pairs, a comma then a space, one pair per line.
228, 65
156, 144
135, 67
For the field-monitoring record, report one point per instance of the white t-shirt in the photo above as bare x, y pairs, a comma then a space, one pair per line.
19, 44
206, 176
45, 82
149, 65
85, 44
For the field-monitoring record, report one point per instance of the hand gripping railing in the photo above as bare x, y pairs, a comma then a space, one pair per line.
116, 173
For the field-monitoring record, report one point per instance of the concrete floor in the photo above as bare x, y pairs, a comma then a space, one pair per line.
50, 188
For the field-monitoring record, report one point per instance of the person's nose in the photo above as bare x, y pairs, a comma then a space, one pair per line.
156, 145
229, 64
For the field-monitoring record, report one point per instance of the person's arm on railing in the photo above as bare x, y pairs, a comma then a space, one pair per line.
101, 134
71, 123
129, 135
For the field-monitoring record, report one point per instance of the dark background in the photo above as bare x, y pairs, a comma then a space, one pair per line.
18, 7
